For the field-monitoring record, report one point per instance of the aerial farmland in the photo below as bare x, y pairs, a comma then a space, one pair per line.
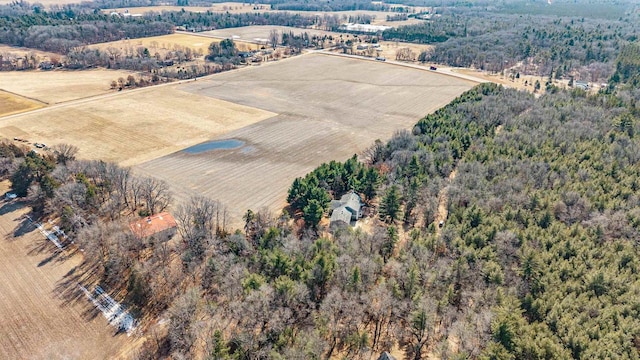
281, 120
327, 107
290, 115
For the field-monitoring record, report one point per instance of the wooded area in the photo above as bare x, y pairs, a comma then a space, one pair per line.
535, 256
584, 48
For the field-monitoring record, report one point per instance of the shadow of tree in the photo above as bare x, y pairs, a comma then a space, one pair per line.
68, 289
48, 259
10, 206
42, 245
24, 227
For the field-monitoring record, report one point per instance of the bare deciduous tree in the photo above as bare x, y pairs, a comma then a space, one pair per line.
156, 194
274, 38
64, 153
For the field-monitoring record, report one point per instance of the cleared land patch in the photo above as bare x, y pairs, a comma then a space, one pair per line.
133, 126
42, 316
329, 108
23, 51
169, 42
57, 86
13, 104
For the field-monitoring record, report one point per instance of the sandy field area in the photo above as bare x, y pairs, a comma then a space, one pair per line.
329, 108
390, 48
22, 51
43, 315
57, 86
132, 126
13, 104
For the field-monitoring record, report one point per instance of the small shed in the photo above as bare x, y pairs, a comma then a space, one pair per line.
162, 224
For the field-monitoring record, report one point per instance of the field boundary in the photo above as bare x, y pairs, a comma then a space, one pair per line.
444, 71
26, 97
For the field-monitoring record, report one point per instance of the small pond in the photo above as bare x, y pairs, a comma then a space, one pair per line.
214, 145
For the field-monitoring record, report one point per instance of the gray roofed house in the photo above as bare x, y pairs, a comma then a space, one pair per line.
352, 202
335, 204
386, 356
347, 209
340, 217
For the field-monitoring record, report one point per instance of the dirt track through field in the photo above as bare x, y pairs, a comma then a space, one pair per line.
40, 316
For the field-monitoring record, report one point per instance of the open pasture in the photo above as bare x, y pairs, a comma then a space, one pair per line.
43, 315
329, 108
132, 126
177, 41
8, 51
12, 104
390, 48
56, 86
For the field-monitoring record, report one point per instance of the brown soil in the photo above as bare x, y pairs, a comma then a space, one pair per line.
43, 315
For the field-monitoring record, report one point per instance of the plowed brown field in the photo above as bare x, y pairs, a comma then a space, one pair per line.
42, 315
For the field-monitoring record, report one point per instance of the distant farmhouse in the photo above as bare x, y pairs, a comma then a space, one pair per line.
582, 85
159, 225
345, 210
363, 28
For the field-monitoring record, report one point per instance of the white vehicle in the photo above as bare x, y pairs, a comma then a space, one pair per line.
10, 196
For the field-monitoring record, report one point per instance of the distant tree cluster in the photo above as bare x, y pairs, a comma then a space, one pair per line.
64, 29
338, 5
224, 52
628, 66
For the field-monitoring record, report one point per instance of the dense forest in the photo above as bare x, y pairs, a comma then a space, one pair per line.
536, 44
